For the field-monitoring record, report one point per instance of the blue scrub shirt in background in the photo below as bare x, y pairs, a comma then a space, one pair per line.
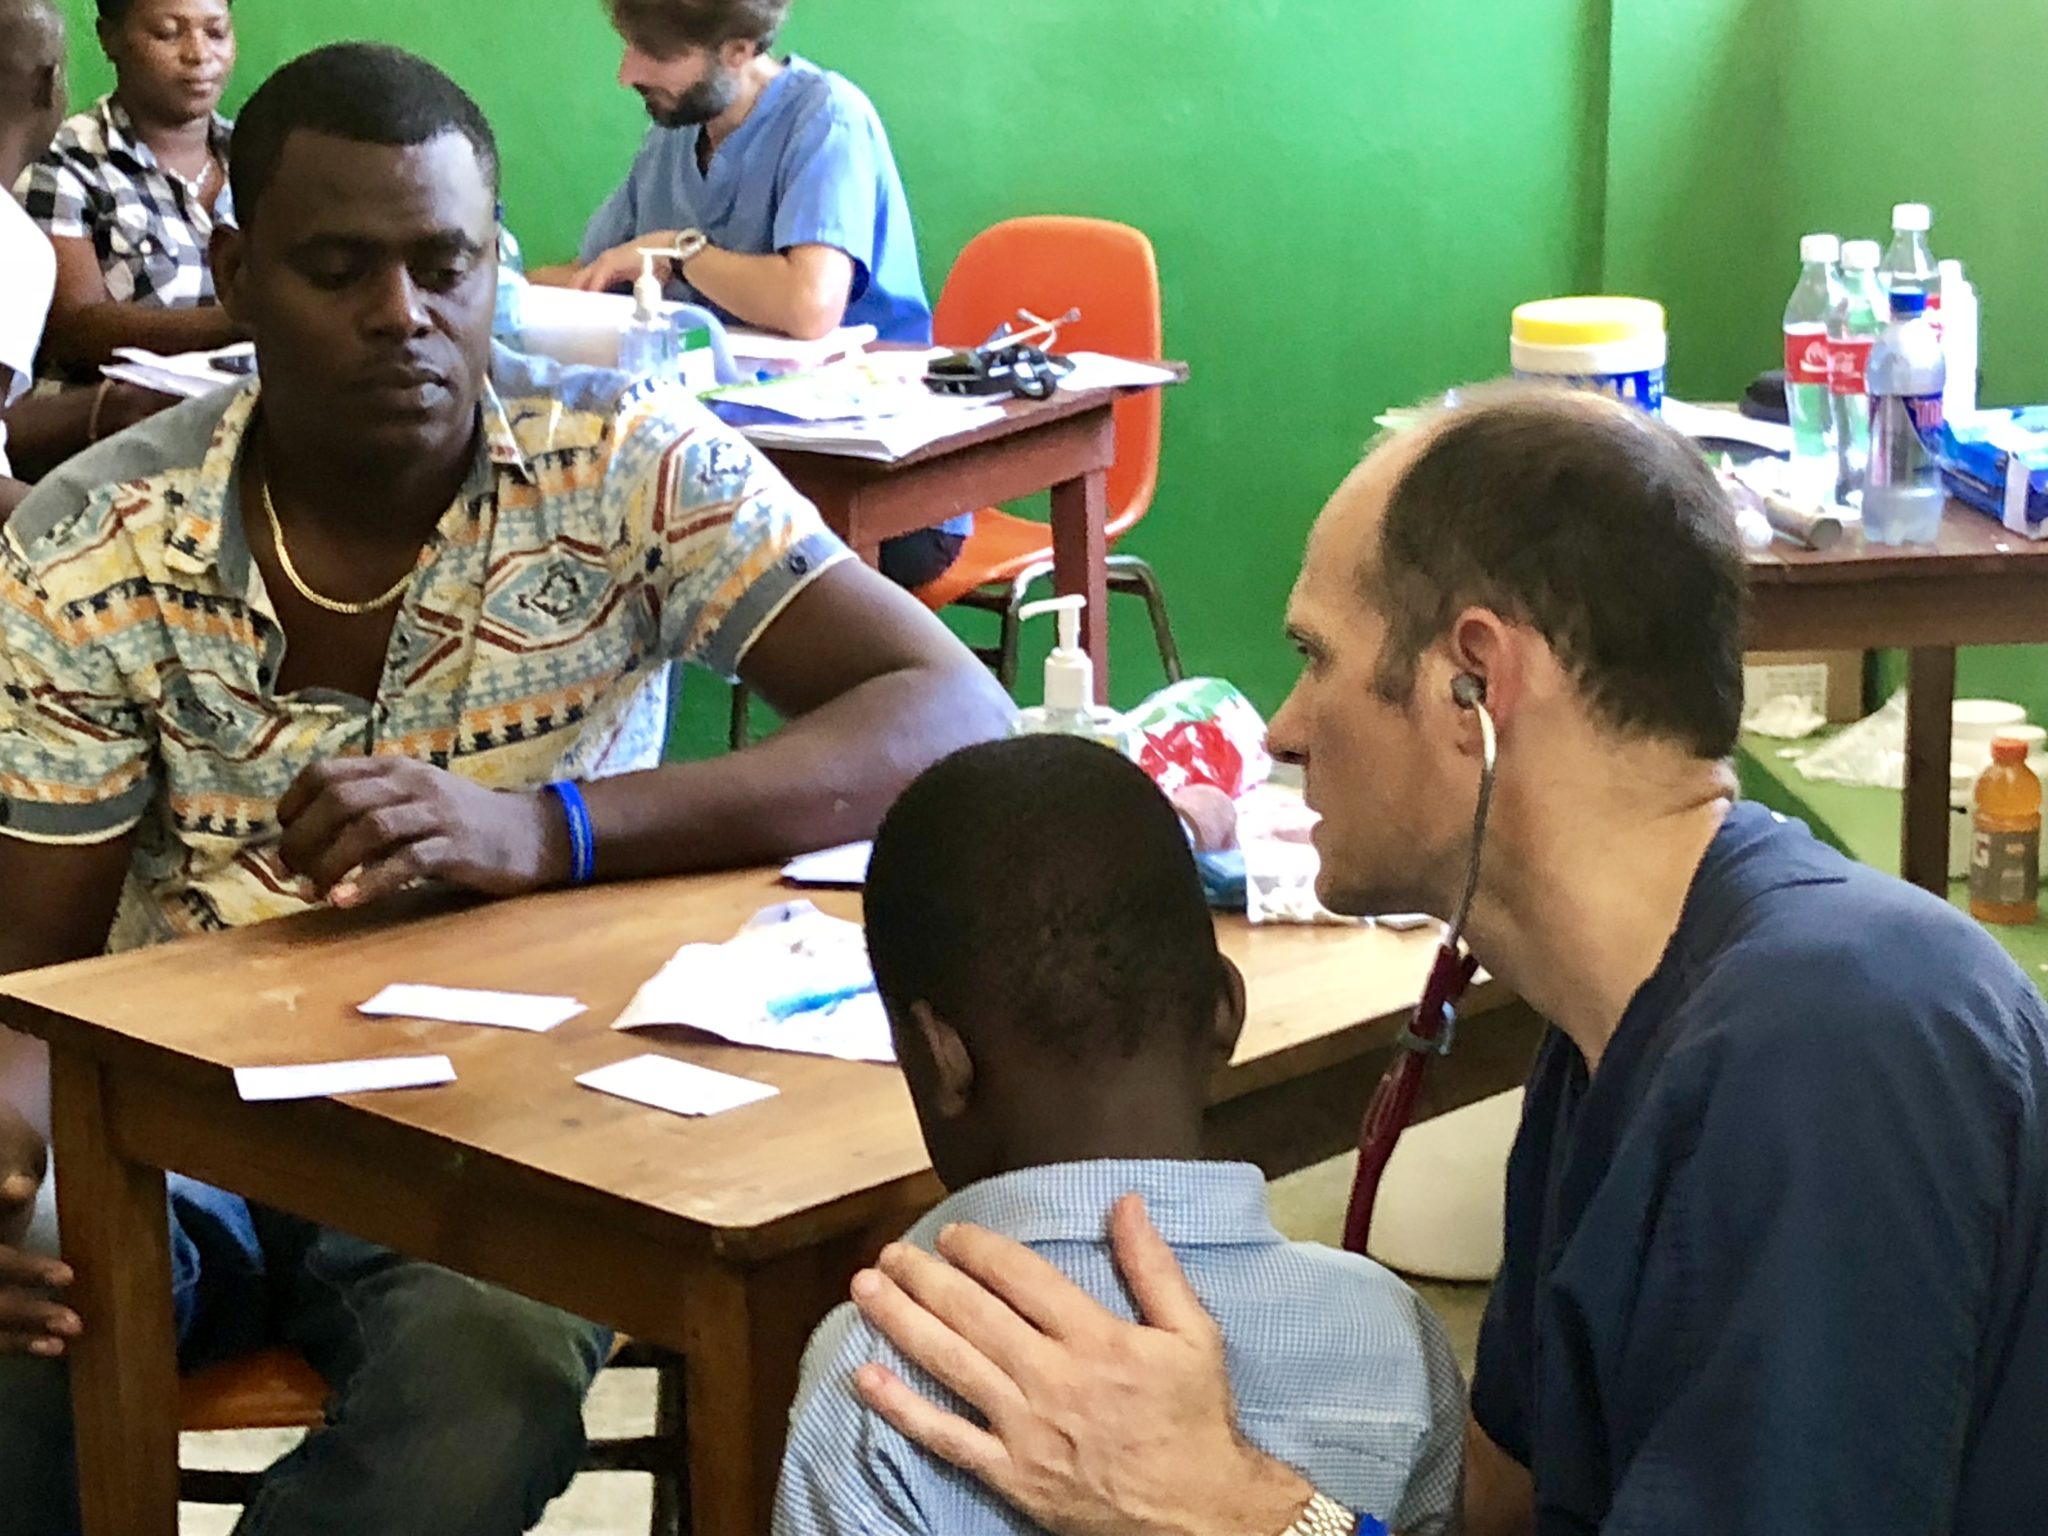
809, 166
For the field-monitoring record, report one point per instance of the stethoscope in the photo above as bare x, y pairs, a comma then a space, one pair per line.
1431, 1026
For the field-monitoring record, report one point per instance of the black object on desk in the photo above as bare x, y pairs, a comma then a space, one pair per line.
1026, 372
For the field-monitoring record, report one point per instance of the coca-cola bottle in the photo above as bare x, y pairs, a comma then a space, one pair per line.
1808, 403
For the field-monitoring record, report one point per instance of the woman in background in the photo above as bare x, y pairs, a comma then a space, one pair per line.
131, 190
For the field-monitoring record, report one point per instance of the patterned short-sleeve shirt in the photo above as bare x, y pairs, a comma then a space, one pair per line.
149, 226
607, 529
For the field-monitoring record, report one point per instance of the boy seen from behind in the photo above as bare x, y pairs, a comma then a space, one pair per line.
1040, 939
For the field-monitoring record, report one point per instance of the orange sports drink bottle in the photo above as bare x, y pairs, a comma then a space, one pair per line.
2005, 848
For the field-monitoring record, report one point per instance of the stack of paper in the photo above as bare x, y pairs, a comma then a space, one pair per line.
187, 375
871, 407
882, 439
766, 351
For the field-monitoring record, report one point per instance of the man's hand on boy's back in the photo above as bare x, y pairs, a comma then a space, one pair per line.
29, 1322
1095, 1425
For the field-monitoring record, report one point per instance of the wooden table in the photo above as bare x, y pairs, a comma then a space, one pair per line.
1063, 445
1980, 584
725, 1239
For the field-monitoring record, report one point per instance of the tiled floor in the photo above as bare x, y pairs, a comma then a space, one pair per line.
1309, 1205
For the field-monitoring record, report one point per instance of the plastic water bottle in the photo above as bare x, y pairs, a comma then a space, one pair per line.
1909, 260
1903, 499
1855, 320
1806, 368
1959, 333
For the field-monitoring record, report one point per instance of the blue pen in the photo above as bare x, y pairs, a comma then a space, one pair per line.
782, 1009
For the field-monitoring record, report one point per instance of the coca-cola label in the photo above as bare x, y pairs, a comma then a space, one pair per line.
1806, 357
1849, 366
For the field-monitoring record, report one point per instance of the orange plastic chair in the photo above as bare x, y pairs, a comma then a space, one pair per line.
277, 1389
1049, 264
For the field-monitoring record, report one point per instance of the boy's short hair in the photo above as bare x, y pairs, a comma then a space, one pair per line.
1043, 885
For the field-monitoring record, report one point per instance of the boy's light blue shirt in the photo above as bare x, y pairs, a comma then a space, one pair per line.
1338, 1368
809, 166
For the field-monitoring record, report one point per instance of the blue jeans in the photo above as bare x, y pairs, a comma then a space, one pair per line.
913, 559
457, 1408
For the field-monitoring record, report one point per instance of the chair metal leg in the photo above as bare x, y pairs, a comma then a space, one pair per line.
739, 731
1129, 573
1013, 622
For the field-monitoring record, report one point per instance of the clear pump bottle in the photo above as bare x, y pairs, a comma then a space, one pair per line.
1069, 708
647, 344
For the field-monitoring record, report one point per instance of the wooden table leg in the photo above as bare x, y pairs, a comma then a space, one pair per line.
741, 1375
1930, 697
747, 1335
1080, 555
124, 1370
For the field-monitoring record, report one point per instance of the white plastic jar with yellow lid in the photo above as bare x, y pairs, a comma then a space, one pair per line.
1616, 346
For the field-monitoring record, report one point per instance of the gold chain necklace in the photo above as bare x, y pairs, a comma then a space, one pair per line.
317, 599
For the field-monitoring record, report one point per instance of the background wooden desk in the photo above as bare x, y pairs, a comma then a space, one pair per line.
1063, 445
1978, 585
726, 1239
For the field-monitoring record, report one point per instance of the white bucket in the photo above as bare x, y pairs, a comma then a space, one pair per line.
1613, 346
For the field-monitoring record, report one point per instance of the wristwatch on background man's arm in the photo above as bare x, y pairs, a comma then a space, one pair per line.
688, 243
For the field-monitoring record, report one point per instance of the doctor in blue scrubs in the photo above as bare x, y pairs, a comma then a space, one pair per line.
775, 180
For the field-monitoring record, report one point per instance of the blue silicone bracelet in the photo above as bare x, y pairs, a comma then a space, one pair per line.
582, 841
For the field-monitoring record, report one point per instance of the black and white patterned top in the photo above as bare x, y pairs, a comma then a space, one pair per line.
149, 225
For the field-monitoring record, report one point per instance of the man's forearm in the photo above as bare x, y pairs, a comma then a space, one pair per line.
775, 293
86, 337
821, 780
45, 430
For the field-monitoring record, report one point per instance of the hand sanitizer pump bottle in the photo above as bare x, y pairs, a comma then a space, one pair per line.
647, 342
1069, 708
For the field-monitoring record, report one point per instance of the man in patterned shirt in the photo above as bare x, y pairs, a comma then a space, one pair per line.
369, 623
1059, 1005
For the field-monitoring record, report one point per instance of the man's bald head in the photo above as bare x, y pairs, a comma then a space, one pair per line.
32, 88
1586, 519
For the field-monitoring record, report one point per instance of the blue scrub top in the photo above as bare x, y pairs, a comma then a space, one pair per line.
1781, 1263
809, 166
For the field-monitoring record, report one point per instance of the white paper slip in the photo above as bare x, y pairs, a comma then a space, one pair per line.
187, 375
322, 1079
1098, 370
465, 1005
1403, 922
841, 868
1705, 423
680, 1087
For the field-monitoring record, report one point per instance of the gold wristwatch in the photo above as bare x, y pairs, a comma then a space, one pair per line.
1323, 1517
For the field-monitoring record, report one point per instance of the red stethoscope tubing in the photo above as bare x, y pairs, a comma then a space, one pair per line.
1428, 1034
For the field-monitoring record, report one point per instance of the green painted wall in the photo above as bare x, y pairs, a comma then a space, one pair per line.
1347, 197
1737, 125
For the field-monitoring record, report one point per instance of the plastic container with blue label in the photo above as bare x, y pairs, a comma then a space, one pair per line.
1607, 344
